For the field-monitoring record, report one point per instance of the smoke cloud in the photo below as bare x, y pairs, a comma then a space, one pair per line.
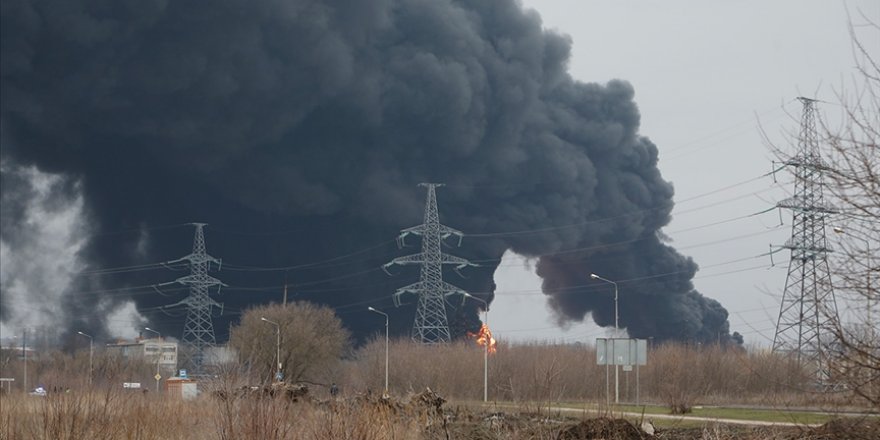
299, 129
41, 220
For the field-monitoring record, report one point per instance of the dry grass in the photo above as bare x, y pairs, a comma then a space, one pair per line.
533, 374
117, 415
533, 377
106, 414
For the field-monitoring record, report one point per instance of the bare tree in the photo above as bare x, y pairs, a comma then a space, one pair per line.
851, 149
849, 144
312, 339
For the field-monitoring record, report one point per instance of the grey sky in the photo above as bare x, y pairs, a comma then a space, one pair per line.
705, 73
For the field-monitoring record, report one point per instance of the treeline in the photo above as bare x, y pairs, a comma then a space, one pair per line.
534, 374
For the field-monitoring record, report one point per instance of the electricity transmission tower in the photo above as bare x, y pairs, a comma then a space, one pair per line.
431, 325
808, 311
198, 332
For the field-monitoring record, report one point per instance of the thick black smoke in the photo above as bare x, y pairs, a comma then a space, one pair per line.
318, 119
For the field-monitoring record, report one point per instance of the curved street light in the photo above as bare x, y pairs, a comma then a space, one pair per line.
386, 345
278, 375
91, 353
158, 357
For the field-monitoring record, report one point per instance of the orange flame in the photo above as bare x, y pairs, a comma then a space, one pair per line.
484, 338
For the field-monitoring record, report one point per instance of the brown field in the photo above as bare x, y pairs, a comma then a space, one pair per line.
531, 381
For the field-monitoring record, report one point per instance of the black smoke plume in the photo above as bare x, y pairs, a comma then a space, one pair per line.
299, 129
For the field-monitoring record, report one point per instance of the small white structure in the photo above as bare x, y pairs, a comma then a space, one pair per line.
181, 388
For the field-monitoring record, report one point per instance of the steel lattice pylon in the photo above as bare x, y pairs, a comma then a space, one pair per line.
431, 325
198, 331
809, 309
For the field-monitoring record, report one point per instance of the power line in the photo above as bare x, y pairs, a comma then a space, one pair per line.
307, 265
140, 229
123, 269
638, 211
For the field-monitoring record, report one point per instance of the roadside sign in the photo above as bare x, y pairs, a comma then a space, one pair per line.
624, 352
621, 351
158, 376
131, 385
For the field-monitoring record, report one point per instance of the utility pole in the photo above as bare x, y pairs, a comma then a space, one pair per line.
198, 331
808, 312
431, 325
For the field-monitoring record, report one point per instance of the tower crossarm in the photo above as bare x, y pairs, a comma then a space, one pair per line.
415, 230
445, 289
449, 290
460, 263
191, 301
198, 259
814, 163
415, 288
200, 280
797, 244
405, 260
445, 232
798, 204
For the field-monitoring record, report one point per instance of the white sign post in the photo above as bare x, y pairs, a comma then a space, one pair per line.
8, 381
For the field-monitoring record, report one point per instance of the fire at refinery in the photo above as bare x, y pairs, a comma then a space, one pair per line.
484, 337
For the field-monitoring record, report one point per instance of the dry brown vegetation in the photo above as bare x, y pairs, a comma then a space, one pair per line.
534, 374
531, 378
527, 374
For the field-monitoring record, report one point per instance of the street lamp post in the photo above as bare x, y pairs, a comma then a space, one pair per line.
158, 356
24, 353
486, 351
386, 345
616, 329
278, 375
91, 354
158, 335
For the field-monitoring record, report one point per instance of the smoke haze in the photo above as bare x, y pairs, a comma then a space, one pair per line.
298, 131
